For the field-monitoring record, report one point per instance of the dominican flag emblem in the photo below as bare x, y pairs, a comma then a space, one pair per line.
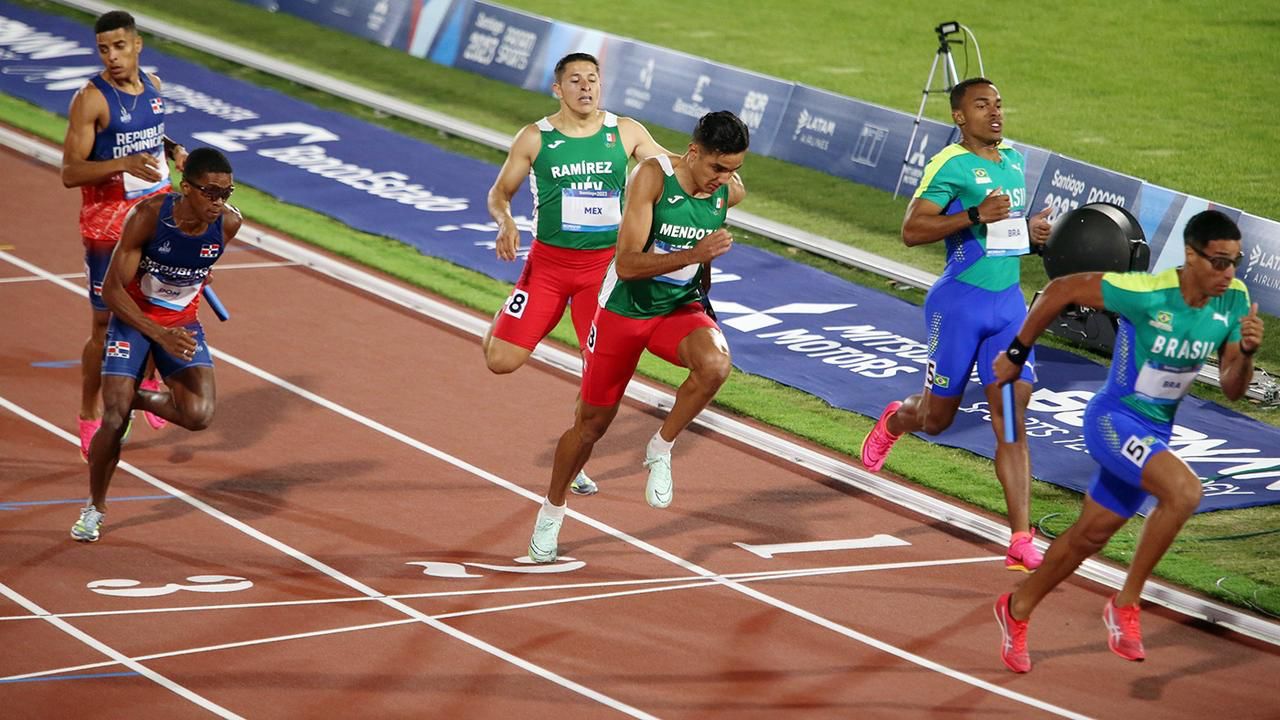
97, 289
209, 250
157, 105
118, 349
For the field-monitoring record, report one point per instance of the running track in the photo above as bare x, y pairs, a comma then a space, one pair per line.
361, 497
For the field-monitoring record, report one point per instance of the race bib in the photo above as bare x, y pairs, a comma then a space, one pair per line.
1008, 237
173, 297
675, 277
136, 187
590, 210
1163, 384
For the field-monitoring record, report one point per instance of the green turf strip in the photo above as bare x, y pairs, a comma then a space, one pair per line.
838, 209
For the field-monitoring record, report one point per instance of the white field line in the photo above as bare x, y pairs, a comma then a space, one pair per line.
533, 497
786, 450
681, 583
118, 658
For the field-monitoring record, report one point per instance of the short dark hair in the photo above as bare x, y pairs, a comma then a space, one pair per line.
114, 20
1205, 227
957, 92
203, 161
722, 132
572, 58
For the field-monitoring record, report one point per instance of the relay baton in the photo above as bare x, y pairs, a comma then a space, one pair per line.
1006, 394
218, 308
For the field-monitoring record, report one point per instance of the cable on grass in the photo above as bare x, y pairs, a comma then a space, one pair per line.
1252, 602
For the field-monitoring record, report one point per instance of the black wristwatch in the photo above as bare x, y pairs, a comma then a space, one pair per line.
973, 215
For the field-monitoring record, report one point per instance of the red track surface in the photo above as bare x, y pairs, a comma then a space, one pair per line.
327, 504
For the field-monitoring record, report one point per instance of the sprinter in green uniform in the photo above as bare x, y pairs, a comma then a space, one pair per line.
672, 228
1170, 323
576, 161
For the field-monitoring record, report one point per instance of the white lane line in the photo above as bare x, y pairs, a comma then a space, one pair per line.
744, 576
536, 498
340, 576
80, 275
769, 442
118, 657
684, 583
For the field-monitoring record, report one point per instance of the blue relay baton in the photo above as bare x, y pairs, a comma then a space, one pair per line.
218, 308
1006, 395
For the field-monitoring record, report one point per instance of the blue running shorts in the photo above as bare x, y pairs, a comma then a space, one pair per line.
1122, 441
127, 349
968, 324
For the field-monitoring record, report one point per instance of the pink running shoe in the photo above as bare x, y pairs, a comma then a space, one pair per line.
1013, 637
88, 428
1022, 554
155, 421
1124, 631
877, 444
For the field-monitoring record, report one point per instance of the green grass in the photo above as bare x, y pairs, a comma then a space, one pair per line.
1177, 93
838, 209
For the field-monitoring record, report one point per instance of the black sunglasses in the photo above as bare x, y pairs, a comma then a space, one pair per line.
1219, 262
213, 192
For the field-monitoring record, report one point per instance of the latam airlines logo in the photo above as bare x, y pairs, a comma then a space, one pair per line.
749, 319
813, 130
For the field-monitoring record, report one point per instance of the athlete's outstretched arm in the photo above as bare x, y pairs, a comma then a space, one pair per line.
514, 170
1084, 289
139, 226
645, 146
1235, 359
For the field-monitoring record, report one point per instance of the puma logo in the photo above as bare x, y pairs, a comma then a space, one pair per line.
1223, 318
675, 199
554, 145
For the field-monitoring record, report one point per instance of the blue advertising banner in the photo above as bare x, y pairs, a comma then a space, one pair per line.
1168, 251
382, 21
672, 89
854, 347
500, 43
1066, 184
857, 140
1261, 267
838, 135
819, 128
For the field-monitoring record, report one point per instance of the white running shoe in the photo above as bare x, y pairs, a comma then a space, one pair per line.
544, 544
583, 485
660, 489
89, 526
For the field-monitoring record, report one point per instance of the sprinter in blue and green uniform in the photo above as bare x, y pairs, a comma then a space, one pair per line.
974, 196
672, 228
1170, 323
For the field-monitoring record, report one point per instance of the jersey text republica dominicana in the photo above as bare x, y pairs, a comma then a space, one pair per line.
577, 186
955, 180
136, 126
679, 222
173, 268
